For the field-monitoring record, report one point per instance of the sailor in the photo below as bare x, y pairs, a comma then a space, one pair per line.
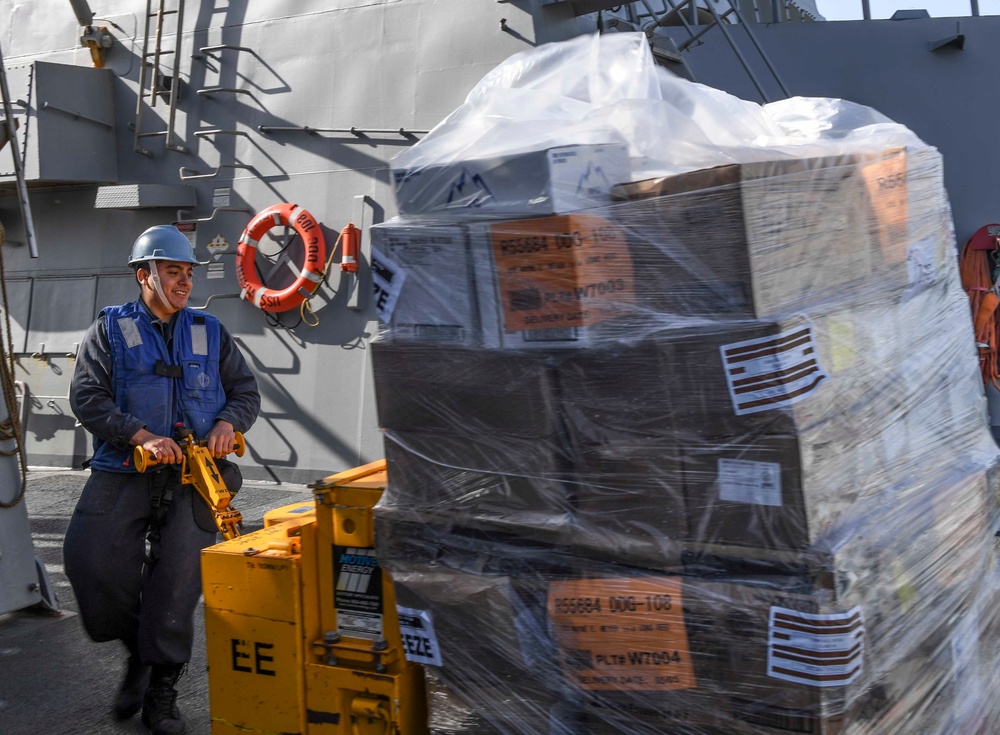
132, 549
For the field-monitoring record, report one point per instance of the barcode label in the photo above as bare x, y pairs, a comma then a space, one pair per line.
565, 334
435, 332
743, 481
815, 650
773, 371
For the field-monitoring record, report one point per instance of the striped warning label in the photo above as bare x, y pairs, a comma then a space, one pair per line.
773, 371
816, 650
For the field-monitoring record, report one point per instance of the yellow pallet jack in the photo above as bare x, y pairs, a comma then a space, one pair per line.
301, 624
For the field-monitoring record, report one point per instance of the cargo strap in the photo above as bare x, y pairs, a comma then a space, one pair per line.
162, 484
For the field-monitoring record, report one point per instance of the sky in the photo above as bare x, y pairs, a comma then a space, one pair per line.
851, 9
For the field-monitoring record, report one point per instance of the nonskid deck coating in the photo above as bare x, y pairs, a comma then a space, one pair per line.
53, 679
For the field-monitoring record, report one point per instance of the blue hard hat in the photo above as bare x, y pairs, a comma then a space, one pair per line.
162, 242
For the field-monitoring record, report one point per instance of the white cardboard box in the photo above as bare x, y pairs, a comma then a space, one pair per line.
423, 283
530, 184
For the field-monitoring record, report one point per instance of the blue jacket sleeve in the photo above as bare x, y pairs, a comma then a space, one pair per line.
91, 398
242, 397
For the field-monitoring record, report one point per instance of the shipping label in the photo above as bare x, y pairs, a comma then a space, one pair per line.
622, 634
560, 272
357, 596
387, 281
921, 266
819, 650
755, 483
773, 371
420, 643
843, 342
887, 190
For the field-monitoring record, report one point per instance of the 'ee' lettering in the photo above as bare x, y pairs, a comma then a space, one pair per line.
261, 655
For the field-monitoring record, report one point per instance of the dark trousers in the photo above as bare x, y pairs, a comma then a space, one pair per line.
149, 607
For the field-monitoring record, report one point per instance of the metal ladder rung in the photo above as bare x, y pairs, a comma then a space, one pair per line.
680, 7
150, 88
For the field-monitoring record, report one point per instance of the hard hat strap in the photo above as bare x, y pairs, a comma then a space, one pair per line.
154, 276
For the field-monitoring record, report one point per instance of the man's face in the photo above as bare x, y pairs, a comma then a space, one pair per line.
175, 283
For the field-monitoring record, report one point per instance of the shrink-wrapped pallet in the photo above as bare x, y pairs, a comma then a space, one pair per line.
749, 433
828, 643
701, 449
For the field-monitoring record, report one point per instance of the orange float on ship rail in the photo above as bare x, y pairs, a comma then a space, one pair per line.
979, 262
313, 265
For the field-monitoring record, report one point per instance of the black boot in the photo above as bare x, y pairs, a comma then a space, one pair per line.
159, 706
129, 699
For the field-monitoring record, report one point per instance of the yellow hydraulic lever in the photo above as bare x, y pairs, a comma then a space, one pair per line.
198, 468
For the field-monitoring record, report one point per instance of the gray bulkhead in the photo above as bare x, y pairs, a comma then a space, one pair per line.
377, 65
934, 75
373, 65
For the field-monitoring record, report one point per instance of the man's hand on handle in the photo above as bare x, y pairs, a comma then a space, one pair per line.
164, 449
221, 440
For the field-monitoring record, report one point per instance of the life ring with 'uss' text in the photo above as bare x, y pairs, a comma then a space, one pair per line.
314, 247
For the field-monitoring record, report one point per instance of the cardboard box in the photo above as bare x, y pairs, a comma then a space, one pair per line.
781, 426
552, 282
454, 390
618, 388
946, 421
892, 615
529, 184
727, 378
765, 494
507, 485
424, 291
780, 377
448, 713
406, 539
777, 495
753, 657
762, 224
628, 502
930, 237
495, 657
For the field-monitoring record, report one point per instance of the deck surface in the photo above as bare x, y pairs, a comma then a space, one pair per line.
53, 679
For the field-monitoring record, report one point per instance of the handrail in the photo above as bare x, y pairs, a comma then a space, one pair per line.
268, 129
22, 187
778, 10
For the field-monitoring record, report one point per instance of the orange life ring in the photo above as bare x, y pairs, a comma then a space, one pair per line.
313, 242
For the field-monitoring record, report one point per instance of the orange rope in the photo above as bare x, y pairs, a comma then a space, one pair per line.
974, 266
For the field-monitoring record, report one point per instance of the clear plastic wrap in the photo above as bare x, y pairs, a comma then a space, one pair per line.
708, 458
564, 109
